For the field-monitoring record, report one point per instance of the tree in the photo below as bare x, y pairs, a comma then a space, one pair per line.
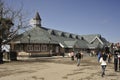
10, 22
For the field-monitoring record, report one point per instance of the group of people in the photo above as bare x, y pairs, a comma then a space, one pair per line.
103, 57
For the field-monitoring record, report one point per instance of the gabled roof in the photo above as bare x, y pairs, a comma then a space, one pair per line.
70, 44
95, 45
90, 37
59, 33
75, 44
96, 37
67, 34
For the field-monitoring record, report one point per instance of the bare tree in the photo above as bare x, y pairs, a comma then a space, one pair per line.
11, 21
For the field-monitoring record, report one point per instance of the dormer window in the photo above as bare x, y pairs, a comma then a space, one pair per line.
53, 33
82, 38
63, 35
77, 37
70, 36
91, 42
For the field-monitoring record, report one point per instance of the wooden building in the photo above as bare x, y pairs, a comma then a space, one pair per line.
42, 41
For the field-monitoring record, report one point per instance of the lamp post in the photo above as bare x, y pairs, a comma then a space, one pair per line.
50, 53
29, 36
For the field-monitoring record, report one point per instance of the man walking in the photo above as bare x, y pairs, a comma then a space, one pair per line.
78, 56
116, 60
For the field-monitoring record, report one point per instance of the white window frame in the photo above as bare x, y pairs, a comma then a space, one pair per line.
21, 47
37, 48
29, 47
44, 47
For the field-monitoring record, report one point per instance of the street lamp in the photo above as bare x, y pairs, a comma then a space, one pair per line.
50, 53
29, 36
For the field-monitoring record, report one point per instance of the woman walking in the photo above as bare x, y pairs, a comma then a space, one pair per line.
103, 63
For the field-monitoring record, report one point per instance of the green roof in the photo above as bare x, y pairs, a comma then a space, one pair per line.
67, 40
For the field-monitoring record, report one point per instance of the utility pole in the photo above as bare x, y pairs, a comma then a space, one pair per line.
29, 37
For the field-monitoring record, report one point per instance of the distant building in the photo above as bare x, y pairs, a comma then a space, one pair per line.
44, 41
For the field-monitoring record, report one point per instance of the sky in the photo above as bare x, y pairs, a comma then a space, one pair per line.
81, 17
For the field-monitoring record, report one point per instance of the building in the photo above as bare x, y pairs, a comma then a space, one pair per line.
42, 41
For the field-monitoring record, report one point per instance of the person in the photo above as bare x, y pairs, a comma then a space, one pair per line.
119, 61
78, 56
99, 55
72, 55
103, 63
115, 60
51, 53
82, 54
109, 57
1, 57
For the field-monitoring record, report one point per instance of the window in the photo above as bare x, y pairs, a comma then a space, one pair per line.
21, 47
43, 47
77, 37
82, 38
53, 33
36, 47
17, 47
63, 35
30, 47
70, 36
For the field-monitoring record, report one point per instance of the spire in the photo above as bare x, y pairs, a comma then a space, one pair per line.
36, 21
37, 16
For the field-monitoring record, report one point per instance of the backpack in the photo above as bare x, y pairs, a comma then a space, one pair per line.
104, 57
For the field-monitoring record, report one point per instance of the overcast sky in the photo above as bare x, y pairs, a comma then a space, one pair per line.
76, 16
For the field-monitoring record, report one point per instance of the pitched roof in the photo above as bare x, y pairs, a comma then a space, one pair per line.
37, 35
64, 39
90, 37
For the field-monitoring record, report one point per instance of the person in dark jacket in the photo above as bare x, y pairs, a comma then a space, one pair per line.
115, 60
78, 56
